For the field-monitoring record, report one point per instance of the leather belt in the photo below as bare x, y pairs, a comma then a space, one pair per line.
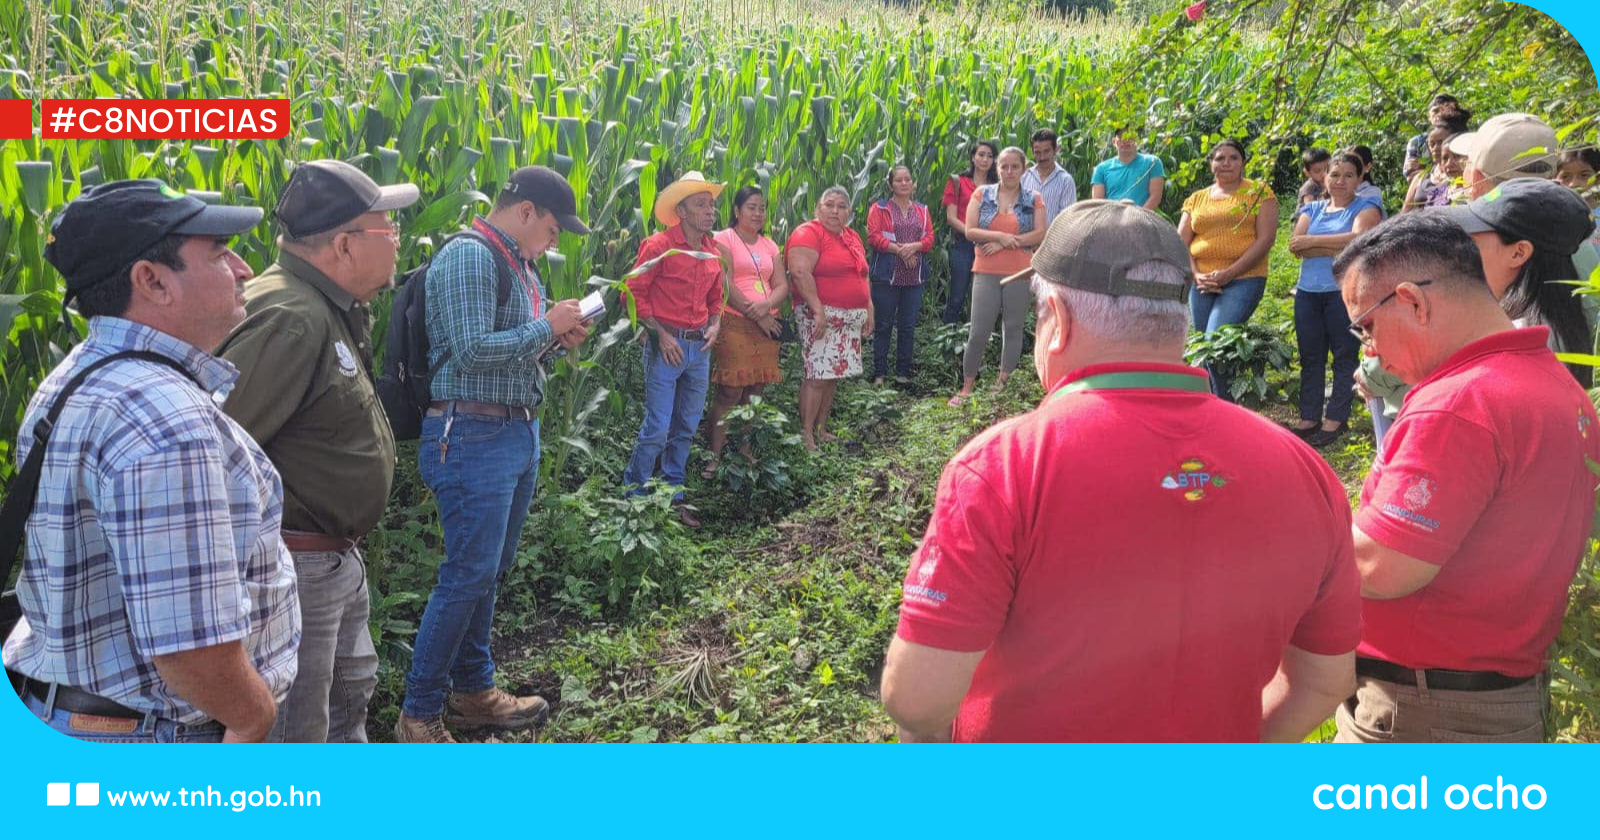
696, 334
513, 412
300, 541
81, 702
1438, 678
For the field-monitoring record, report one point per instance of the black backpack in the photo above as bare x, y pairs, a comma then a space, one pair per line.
403, 387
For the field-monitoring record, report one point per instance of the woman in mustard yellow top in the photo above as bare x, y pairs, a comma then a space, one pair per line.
1229, 227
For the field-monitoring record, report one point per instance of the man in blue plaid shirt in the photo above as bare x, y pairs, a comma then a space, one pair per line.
479, 449
158, 599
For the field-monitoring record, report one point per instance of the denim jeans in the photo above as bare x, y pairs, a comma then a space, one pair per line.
674, 399
961, 257
1214, 310
338, 664
1322, 324
483, 475
895, 308
151, 730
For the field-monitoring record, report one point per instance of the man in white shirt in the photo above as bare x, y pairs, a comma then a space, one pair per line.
1051, 181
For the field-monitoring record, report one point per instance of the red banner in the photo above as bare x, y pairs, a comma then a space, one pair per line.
165, 119
16, 119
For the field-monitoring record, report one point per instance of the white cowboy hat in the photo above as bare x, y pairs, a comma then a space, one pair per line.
669, 199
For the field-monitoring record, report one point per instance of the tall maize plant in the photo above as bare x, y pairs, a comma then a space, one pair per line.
621, 97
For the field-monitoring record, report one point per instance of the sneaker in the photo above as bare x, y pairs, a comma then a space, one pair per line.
410, 730
496, 708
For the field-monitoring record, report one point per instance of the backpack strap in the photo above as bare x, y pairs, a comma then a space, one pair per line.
25, 484
505, 274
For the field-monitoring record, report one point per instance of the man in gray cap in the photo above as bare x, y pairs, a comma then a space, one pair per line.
1134, 560
158, 600
306, 394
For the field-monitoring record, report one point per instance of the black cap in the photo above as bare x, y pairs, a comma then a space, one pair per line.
547, 189
324, 194
1554, 218
108, 226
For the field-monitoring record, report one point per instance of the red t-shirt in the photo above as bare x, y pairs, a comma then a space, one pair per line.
1133, 562
1483, 475
680, 291
958, 193
841, 271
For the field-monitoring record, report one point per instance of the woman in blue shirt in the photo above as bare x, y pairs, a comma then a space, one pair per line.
1321, 323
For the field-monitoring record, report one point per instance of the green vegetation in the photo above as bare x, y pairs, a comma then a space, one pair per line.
769, 624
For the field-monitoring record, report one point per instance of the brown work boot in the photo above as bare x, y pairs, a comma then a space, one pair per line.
496, 708
410, 730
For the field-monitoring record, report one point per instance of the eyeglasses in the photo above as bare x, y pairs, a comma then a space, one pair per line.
1358, 327
392, 233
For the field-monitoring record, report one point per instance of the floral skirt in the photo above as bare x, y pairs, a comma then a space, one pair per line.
837, 354
744, 354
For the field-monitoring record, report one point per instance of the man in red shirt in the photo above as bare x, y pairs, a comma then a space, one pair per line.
679, 297
1134, 560
1478, 510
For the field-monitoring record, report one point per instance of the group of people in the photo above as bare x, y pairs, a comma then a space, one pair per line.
1137, 559
211, 456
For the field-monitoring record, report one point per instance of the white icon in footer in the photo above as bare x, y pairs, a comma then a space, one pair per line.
58, 793
88, 793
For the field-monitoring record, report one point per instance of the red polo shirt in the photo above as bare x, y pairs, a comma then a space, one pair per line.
1483, 475
680, 291
1133, 561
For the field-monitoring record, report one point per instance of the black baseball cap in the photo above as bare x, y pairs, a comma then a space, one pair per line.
108, 226
547, 189
324, 194
1554, 218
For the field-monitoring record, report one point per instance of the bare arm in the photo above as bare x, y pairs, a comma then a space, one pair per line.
923, 688
1387, 574
1097, 191
1158, 189
954, 219
780, 284
803, 283
1305, 692
1330, 244
221, 681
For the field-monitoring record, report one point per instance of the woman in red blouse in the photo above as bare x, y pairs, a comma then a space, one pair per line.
828, 275
901, 232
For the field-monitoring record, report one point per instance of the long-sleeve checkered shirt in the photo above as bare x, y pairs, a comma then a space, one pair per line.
480, 350
155, 531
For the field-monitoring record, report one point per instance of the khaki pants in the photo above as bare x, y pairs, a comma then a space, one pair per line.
1385, 712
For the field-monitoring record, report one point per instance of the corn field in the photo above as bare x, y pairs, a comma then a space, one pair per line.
621, 97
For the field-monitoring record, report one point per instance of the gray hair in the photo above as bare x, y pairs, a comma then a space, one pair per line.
1125, 317
834, 190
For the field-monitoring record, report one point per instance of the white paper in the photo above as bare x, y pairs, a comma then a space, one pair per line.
592, 306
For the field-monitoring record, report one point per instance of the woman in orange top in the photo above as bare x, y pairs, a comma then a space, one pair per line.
1006, 222
1229, 228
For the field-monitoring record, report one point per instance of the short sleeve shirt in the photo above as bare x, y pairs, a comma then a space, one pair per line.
1316, 273
957, 193
1132, 563
1484, 476
753, 267
1130, 180
1224, 228
841, 270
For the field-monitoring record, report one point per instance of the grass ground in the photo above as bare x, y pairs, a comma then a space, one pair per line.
787, 604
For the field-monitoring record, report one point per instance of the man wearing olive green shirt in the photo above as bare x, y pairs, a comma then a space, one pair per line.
305, 393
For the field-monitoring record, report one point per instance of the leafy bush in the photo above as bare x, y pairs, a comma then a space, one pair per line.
873, 412
616, 554
764, 446
1243, 353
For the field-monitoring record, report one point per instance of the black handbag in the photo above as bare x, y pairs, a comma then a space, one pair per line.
25, 487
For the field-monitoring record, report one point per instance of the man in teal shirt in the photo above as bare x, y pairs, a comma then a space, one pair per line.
1130, 176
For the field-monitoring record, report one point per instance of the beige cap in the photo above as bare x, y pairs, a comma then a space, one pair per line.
1092, 245
1510, 146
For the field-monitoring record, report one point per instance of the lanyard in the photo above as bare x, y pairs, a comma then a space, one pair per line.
755, 259
1136, 379
529, 286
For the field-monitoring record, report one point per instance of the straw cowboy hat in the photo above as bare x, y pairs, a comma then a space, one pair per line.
669, 199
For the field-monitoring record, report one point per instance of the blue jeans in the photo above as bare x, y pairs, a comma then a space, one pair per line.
955, 306
674, 399
483, 475
896, 308
1321, 325
151, 730
1214, 310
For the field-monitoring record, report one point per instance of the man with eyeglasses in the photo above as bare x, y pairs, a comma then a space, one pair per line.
306, 394
1478, 510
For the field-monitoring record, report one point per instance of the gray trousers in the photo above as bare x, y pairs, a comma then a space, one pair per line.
338, 664
990, 299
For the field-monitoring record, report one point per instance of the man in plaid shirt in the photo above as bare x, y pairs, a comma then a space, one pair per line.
479, 448
158, 599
